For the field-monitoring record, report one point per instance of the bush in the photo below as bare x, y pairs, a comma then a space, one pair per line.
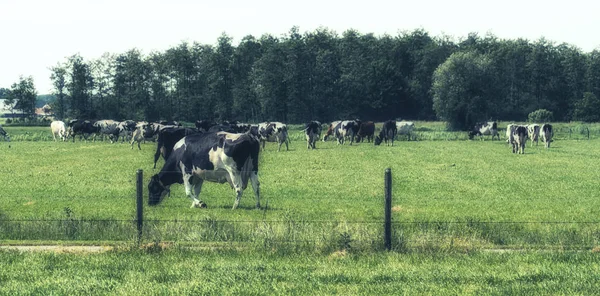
540, 115
8, 121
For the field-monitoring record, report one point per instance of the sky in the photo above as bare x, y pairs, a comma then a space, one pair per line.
38, 34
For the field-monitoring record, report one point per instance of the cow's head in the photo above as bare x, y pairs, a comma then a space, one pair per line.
378, 139
156, 191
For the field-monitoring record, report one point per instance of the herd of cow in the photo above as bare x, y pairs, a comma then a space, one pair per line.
228, 152
516, 135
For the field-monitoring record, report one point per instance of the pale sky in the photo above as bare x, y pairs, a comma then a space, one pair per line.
37, 34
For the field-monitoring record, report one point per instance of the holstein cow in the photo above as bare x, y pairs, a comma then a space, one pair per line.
312, 130
167, 138
546, 133
347, 128
330, 130
108, 127
387, 133
519, 136
533, 130
405, 128
4, 134
273, 132
509, 133
485, 128
216, 157
83, 128
59, 129
366, 130
126, 129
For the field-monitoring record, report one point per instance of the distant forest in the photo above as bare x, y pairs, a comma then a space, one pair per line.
321, 75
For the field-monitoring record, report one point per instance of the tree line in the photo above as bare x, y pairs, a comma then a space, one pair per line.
321, 75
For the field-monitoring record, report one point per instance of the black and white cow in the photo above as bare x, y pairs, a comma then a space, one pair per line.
519, 138
330, 129
110, 128
167, 138
4, 134
546, 133
126, 129
312, 130
533, 130
387, 133
216, 157
366, 130
81, 127
346, 129
509, 133
485, 128
273, 132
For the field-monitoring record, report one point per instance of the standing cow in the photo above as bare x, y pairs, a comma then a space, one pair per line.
485, 128
519, 136
346, 129
546, 133
387, 133
4, 134
81, 127
533, 130
58, 128
366, 130
509, 133
108, 127
216, 157
273, 132
312, 130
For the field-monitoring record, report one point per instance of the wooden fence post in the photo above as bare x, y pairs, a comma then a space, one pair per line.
387, 228
140, 204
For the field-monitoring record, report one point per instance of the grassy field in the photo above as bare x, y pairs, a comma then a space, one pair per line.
180, 272
447, 194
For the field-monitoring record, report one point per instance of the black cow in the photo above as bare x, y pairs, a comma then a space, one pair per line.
312, 130
216, 157
546, 133
83, 128
387, 133
204, 125
167, 138
4, 134
366, 130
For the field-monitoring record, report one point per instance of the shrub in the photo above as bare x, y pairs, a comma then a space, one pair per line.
540, 115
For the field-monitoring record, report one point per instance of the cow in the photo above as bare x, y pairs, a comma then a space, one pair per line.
312, 130
405, 128
509, 133
152, 129
387, 133
330, 130
108, 127
546, 134
58, 128
366, 130
484, 128
167, 138
273, 132
347, 128
81, 127
533, 130
519, 136
204, 125
4, 134
170, 122
137, 136
216, 157
126, 129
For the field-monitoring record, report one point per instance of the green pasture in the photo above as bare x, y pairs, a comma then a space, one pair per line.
180, 272
447, 194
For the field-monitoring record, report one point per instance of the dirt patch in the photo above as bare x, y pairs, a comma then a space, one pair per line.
397, 209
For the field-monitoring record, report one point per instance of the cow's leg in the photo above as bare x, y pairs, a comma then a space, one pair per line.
54, 136
287, 148
192, 190
256, 187
156, 155
236, 182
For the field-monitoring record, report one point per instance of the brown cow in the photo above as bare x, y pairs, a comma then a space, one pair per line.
366, 130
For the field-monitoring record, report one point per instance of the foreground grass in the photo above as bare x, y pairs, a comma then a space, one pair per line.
226, 273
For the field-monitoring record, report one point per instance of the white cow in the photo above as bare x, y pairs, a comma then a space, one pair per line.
533, 130
405, 128
509, 133
59, 129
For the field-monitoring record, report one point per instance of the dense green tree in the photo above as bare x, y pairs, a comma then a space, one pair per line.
59, 81
22, 96
80, 87
587, 108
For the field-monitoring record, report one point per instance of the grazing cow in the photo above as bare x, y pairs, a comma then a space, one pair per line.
216, 157
4, 134
273, 132
347, 128
59, 129
485, 128
405, 128
330, 129
204, 125
546, 133
519, 136
110, 128
533, 130
167, 138
83, 128
366, 130
387, 133
312, 130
